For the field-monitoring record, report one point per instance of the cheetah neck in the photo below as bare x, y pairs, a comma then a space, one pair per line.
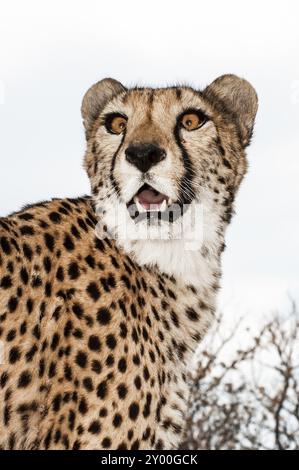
194, 258
198, 266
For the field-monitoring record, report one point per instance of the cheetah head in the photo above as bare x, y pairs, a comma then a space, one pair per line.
165, 163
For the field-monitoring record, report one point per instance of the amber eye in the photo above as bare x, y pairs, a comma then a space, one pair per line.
193, 120
116, 123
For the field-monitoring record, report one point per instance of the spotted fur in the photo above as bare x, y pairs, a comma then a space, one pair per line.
98, 333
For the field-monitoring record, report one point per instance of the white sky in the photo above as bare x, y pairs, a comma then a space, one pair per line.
52, 51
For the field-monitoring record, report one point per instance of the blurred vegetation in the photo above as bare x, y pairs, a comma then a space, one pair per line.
246, 397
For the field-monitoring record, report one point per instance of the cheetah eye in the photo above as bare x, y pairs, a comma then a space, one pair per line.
116, 123
193, 120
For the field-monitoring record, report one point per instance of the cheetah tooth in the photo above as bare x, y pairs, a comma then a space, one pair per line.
163, 206
140, 207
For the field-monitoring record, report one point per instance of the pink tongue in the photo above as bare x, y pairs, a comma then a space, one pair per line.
149, 197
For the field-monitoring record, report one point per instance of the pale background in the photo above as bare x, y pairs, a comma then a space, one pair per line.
52, 51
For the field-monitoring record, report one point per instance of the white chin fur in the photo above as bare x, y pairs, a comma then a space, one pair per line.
175, 248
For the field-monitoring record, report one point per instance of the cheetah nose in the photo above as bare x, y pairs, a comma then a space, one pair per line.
144, 156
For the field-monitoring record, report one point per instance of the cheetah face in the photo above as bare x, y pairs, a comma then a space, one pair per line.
162, 160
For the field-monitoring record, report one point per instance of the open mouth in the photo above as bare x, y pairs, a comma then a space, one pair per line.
149, 199
148, 203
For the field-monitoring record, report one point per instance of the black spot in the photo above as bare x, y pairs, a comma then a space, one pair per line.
226, 163
111, 280
94, 427
82, 224
103, 316
94, 343
122, 307
48, 289
135, 335
133, 311
133, 411
49, 241
29, 305
122, 365
3, 379
137, 382
135, 445
68, 243
192, 314
19, 291
83, 408
152, 356
93, 290
24, 379
55, 217
146, 374
30, 354
136, 359
117, 420
52, 370
26, 230
103, 412
109, 361
68, 328
96, 366
10, 267
178, 93
60, 274
68, 372
47, 264
5, 245
159, 444
27, 251
145, 334
99, 244
102, 389
106, 443
66, 441
12, 304
75, 232
126, 280
11, 335
23, 328
73, 270
81, 359
78, 311
122, 391
174, 318
71, 420
6, 282
6, 414
87, 383
123, 331
78, 333
56, 402
147, 406
36, 282
36, 331
26, 216
90, 261
114, 262
111, 341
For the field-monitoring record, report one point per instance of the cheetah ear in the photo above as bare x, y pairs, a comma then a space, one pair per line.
235, 96
96, 98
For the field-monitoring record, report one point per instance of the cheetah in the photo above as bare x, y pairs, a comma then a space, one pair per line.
104, 298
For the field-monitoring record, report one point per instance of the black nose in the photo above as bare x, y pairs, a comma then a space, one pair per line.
144, 156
